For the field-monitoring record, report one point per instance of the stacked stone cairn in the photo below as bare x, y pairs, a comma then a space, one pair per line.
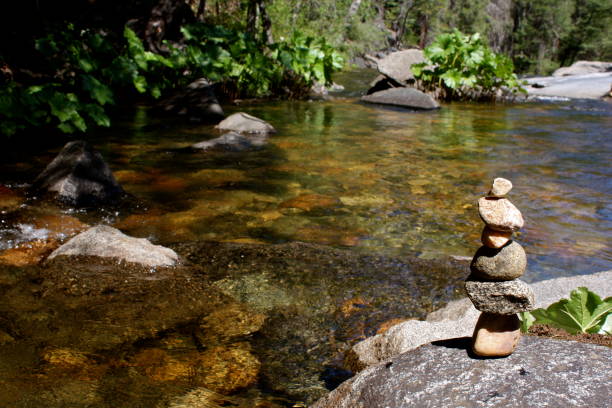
493, 286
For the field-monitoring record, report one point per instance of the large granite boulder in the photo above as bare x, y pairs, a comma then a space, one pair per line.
404, 97
233, 142
540, 373
458, 319
583, 68
197, 102
397, 64
244, 123
78, 176
108, 242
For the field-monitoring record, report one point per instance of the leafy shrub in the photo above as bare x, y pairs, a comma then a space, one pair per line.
461, 67
84, 70
583, 312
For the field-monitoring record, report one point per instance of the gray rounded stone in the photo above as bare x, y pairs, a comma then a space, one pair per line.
244, 123
500, 214
506, 263
504, 298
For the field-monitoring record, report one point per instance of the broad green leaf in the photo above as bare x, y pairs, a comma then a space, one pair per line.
527, 320
583, 312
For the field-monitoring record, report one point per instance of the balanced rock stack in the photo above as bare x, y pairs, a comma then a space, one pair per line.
493, 286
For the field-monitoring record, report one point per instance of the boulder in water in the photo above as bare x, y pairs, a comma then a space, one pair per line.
108, 242
197, 101
244, 123
404, 97
79, 176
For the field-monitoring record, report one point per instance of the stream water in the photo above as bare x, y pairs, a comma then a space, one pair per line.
374, 180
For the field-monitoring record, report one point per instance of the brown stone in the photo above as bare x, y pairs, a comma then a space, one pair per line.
309, 202
496, 335
500, 214
495, 239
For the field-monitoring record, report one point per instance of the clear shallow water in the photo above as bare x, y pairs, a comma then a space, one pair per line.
379, 180
374, 180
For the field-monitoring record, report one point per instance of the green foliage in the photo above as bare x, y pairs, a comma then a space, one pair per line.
583, 312
463, 67
85, 70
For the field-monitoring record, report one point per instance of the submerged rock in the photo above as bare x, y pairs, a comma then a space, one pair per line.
304, 290
109, 242
404, 97
244, 123
443, 375
92, 303
233, 142
79, 176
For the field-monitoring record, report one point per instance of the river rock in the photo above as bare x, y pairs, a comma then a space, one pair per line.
108, 242
78, 176
496, 335
500, 187
506, 263
505, 297
404, 97
443, 375
495, 239
583, 68
197, 101
244, 123
500, 214
397, 64
233, 142
381, 83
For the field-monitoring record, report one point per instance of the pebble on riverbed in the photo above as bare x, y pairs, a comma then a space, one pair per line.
492, 287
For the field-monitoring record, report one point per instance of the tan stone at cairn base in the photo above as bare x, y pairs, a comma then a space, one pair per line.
496, 335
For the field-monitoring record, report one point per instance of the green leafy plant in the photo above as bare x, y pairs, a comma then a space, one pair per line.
460, 67
583, 312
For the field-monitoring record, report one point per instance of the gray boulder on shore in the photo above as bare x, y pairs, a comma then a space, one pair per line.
397, 64
108, 242
540, 373
404, 97
458, 319
583, 68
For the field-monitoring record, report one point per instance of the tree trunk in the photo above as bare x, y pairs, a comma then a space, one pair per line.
399, 25
201, 10
353, 8
165, 21
266, 23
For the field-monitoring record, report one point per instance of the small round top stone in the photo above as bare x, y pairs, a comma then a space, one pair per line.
500, 187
